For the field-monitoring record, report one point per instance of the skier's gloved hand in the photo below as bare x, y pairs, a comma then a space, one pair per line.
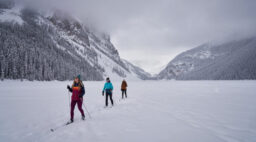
69, 88
102, 93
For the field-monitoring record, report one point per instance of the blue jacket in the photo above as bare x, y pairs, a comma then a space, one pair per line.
108, 86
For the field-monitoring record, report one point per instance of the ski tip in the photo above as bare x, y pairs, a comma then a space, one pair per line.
69, 123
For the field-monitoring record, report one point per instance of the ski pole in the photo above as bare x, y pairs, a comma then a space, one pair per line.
87, 112
69, 100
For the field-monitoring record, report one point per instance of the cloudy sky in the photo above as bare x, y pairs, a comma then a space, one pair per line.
150, 33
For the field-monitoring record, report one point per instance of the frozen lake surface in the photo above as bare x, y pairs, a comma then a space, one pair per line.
155, 111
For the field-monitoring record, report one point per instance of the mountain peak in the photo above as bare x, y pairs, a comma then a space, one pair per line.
227, 61
58, 47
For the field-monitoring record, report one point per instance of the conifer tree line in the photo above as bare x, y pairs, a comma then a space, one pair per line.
28, 52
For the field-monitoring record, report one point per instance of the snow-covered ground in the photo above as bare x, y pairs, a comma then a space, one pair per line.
155, 111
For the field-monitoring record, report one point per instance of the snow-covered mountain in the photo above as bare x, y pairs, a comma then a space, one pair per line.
226, 61
137, 71
38, 46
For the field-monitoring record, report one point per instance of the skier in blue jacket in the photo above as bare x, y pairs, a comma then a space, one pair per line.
108, 87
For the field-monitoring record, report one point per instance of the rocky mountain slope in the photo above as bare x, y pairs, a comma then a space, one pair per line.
232, 60
56, 46
137, 71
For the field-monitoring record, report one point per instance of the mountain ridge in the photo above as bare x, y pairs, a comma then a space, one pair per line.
233, 60
56, 47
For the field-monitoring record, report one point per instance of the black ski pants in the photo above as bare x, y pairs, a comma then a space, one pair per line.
124, 93
109, 94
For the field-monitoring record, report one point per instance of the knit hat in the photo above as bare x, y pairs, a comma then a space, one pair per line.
79, 77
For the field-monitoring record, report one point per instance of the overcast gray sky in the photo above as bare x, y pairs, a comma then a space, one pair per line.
150, 33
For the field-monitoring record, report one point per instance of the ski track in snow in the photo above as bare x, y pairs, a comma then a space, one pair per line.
178, 111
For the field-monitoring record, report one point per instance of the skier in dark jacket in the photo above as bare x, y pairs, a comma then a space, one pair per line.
124, 89
108, 87
78, 92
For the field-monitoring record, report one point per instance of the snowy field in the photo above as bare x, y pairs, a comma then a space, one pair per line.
164, 111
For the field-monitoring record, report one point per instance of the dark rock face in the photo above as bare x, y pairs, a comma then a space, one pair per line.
56, 47
233, 60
